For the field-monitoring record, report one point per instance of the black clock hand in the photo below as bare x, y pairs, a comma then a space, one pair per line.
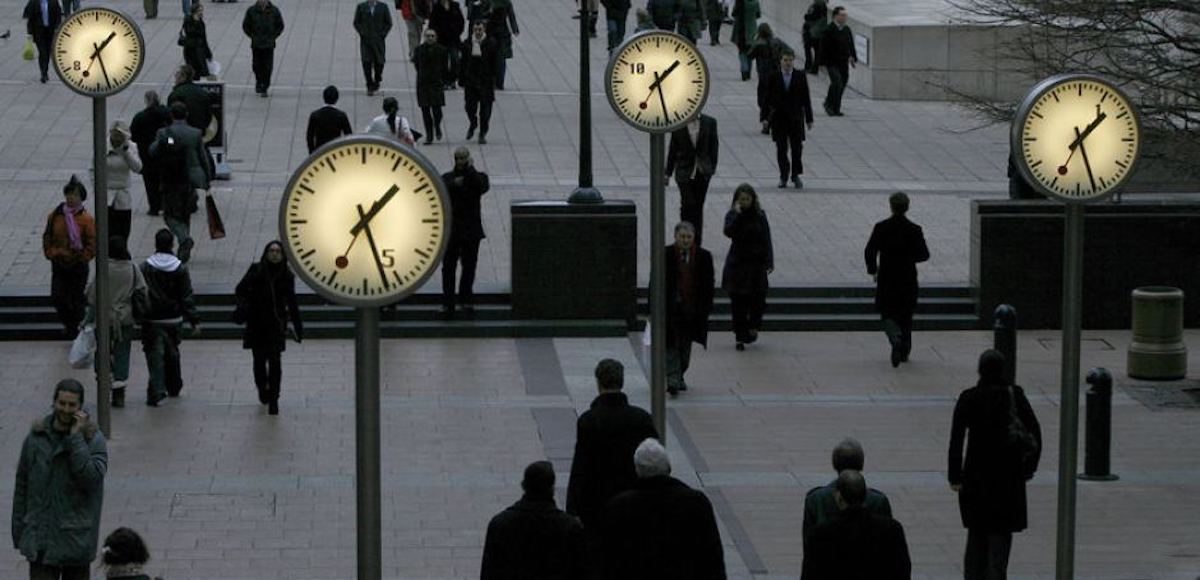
111, 36
374, 250
1062, 169
658, 79
1088, 131
104, 70
663, 101
1087, 164
375, 207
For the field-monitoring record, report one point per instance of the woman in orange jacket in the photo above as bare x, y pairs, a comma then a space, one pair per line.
69, 242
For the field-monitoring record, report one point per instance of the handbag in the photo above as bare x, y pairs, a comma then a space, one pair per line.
139, 302
1021, 442
216, 226
83, 348
27, 52
182, 41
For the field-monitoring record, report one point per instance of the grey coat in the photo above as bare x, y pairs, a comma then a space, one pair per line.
197, 160
58, 494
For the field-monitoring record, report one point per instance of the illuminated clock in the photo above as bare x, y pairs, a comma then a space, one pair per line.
98, 51
657, 81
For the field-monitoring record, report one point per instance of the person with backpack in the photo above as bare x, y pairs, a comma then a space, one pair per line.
179, 153
169, 302
127, 289
266, 301
1005, 447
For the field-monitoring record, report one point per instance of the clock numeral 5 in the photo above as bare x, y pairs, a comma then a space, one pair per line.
388, 257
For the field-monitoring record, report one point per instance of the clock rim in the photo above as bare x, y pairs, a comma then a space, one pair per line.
137, 31
611, 66
436, 259
1016, 134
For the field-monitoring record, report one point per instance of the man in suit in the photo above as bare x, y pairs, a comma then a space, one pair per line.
328, 122
466, 186
186, 175
898, 245
791, 114
692, 157
372, 21
857, 543
533, 538
838, 55
143, 131
690, 285
263, 23
42, 18
820, 503
480, 56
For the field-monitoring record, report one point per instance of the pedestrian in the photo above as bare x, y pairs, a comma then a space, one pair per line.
430, 61
533, 538
816, 19
478, 10
502, 26
193, 97
414, 13
391, 123
838, 55
857, 543
644, 21
660, 528
750, 261
691, 19
120, 161
692, 158
170, 302
59, 490
895, 248
69, 242
593, 8
480, 56
266, 302
1006, 445
151, 9
263, 23
606, 435
446, 18
466, 186
69, 6
143, 130
42, 18
125, 556
187, 7
328, 122
820, 503
766, 53
372, 21
616, 14
193, 37
186, 175
715, 11
689, 278
664, 13
745, 24
791, 113
126, 285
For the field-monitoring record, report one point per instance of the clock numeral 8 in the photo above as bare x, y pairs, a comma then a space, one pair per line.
76, 66
638, 68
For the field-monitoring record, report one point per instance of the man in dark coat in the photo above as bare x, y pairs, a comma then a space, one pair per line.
691, 19
446, 18
791, 114
143, 129
430, 60
820, 504
660, 529
690, 285
194, 98
503, 28
372, 21
533, 538
186, 175
479, 58
838, 55
616, 14
815, 20
692, 158
664, 13
857, 543
328, 122
266, 302
466, 186
263, 23
899, 245
42, 18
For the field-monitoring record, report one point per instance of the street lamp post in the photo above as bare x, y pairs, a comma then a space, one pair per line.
585, 192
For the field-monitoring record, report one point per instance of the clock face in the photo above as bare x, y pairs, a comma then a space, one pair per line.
98, 51
365, 221
657, 81
1078, 137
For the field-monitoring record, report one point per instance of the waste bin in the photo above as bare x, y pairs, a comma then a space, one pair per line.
1157, 351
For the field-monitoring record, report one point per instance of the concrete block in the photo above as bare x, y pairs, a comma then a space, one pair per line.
972, 48
925, 47
885, 47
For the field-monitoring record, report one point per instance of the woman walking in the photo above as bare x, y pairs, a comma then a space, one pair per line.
391, 124
745, 22
266, 301
430, 59
125, 556
502, 26
121, 160
446, 19
69, 242
751, 258
1005, 446
126, 285
766, 51
194, 40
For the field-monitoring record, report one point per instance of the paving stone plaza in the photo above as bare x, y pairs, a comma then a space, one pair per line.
220, 489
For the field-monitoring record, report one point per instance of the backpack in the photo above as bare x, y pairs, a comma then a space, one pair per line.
1022, 446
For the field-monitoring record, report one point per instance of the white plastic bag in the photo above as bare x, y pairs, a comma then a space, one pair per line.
83, 349
214, 68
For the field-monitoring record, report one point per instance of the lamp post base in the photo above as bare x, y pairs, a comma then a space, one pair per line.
585, 195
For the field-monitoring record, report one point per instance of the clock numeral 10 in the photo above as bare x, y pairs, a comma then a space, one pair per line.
637, 68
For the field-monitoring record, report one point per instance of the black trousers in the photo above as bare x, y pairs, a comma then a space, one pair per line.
747, 310
714, 29
120, 222
898, 327
43, 49
373, 72
152, 179
794, 141
432, 116
691, 202
67, 285
839, 75
268, 372
263, 63
987, 555
811, 54
764, 106
479, 110
466, 251
47, 572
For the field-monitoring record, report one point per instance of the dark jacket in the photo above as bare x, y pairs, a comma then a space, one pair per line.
448, 23
837, 46
33, 18
820, 506
372, 30
751, 252
168, 290
266, 301
59, 493
477, 10
534, 539
198, 175
325, 125
431, 62
857, 545
197, 102
992, 498
816, 18
144, 128
466, 219
616, 7
502, 25
899, 245
689, 319
479, 67
766, 54
691, 17
745, 15
791, 107
685, 157
262, 25
664, 13
196, 51
661, 529
606, 436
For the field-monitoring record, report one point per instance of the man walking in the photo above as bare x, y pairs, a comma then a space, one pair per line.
481, 54
791, 114
691, 19
42, 19
838, 55
616, 13
414, 13
533, 538
664, 13
895, 248
820, 504
466, 186
692, 157
857, 543
263, 23
372, 21
193, 97
328, 122
169, 293
690, 285
59, 490
143, 131
179, 152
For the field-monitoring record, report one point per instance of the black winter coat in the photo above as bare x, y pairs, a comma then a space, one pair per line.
478, 64
144, 128
837, 46
751, 252
448, 23
266, 300
196, 51
466, 218
502, 25
693, 321
431, 61
857, 545
606, 436
992, 498
661, 529
899, 245
262, 25
534, 539
790, 107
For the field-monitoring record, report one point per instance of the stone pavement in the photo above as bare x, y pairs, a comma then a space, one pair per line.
851, 162
222, 490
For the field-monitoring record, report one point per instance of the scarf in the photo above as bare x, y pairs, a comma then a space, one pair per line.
73, 233
123, 570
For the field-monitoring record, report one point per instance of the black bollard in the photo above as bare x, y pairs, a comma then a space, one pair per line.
1098, 429
1005, 331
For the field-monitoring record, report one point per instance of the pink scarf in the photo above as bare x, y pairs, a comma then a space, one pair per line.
73, 233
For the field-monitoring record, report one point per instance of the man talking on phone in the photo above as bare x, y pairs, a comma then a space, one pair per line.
60, 490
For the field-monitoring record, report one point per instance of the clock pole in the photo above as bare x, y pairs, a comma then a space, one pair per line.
1068, 441
585, 192
366, 444
103, 308
658, 285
